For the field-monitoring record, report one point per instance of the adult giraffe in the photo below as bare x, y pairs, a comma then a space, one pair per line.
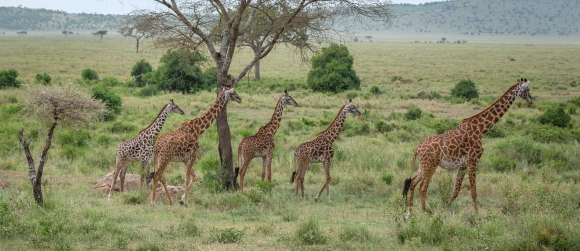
460, 148
182, 144
320, 150
262, 143
140, 148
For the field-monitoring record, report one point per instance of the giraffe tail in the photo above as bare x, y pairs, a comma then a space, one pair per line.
292, 178
149, 177
235, 178
407, 183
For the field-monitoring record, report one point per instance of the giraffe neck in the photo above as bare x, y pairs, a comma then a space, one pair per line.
150, 133
331, 133
272, 127
205, 120
489, 117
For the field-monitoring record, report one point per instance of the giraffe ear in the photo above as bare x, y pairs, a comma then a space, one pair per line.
286, 92
350, 100
171, 100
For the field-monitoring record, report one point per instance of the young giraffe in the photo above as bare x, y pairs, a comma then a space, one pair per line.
181, 145
140, 148
460, 148
262, 144
320, 150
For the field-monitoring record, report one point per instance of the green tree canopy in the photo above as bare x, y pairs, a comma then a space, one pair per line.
139, 69
465, 89
332, 70
179, 72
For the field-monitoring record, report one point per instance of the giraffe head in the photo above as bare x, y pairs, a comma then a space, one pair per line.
349, 108
523, 91
174, 108
288, 100
230, 94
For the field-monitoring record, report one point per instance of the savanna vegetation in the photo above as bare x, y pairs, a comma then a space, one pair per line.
527, 179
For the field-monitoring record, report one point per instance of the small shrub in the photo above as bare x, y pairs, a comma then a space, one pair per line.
148, 91
76, 138
358, 129
555, 116
413, 113
228, 235
72, 152
443, 125
383, 127
140, 69
433, 95
360, 234
502, 164
465, 89
265, 186
43, 78
396, 78
8, 79
112, 101
214, 175
575, 101
548, 134
332, 70
89, 74
387, 178
110, 81
375, 90
309, 233
495, 132
188, 228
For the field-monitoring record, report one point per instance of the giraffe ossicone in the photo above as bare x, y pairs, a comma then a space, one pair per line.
320, 150
460, 148
262, 143
140, 148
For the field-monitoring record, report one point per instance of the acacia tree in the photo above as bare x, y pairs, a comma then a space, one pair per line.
101, 33
61, 104
130, 31
218, 27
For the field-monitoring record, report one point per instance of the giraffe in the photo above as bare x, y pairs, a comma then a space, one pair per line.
182, 144
262, 144
140, 148
320, 150
460, 148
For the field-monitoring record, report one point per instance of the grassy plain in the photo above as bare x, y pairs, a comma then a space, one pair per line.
527, 185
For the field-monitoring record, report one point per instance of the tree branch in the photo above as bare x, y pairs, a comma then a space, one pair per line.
25, 144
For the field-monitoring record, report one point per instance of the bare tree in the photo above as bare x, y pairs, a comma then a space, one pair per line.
218, 27
58, 104
130, 31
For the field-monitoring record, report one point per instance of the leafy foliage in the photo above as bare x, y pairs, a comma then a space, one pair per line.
228, 235
465, 89
141, 67
179, 72
89, 74
43, 78
210, 76
112, 101
555, 116
309, 233
413, 113
8, 79
332, 70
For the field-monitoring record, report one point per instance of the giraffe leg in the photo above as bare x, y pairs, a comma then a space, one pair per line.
119, 166
122, 176
243, 169
166, 190
156, 178
302, 165
326, 183
263, 175
458, 181
414, 181
189, 179
145, 164
428, 173
472, 172
269, 166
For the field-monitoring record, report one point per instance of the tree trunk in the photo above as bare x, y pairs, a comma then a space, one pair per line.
225, 137
257, 71
137, 44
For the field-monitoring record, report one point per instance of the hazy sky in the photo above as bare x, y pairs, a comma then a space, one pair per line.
104, 6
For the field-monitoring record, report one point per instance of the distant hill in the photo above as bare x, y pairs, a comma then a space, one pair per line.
485, 17
19, 18
458, 17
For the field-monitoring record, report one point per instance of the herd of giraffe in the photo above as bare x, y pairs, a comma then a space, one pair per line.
458, 149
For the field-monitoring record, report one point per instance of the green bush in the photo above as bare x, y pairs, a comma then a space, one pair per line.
228, 235
360, 234
413, 113
575, 101
375, 90
548, 134
110, 81
358, 129
265, 186
121, 127
147, 91
465, 89
188, 228
383, 127
76, 138
387, 178
112, 101
179, 72
502, 164
210, 77
309, 233
443, 125
332, 70
8, 79
43, 78
556, 116
495, 132
89, 74
141, 67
